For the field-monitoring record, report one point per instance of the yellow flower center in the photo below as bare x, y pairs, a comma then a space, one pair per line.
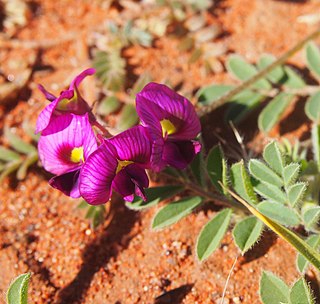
64, 103
167, 127
77, 155
122, 164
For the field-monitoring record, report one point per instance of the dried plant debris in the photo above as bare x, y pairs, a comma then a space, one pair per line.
16, 14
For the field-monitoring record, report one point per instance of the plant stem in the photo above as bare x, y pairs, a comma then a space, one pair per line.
262, 73
211, 196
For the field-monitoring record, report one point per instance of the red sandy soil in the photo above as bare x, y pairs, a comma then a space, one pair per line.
124, 261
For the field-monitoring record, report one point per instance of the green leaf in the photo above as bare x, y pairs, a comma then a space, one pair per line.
311, 216
315, 137
263, 173
216, 167
212, 234
210, 94
197, 168
108, 105
247, 232
300, 293
272, 113
243, 70
128, 117
154, 196
18, 290
272, 155
9, 168
8, 155
312, 107
313, 58
110, 69
241, 183
175, 211
271, 192
292, 79
299, 244
302, 262
242, 104
143, 79
29, 161
17, 143
277, 74
273, 290
295, 193
290, 173
279, 213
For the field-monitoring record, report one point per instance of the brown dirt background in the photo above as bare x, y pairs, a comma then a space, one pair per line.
124, 261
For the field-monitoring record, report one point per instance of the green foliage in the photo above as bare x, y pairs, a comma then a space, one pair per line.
95, 213
274, 291
302, 262
271, 114
241, 182
212, 234
175, 211
154, 196
247, 232
19, 157
110, 69
313, 58
276, 182
312, 107
18, 290
217, 168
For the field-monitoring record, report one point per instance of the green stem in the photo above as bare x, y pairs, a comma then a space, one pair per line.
305, 249
210, 196
262, 73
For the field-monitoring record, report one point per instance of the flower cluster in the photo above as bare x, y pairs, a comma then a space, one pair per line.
91, 166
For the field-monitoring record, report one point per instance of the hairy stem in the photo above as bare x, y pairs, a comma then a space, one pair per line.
262, 73
210, 196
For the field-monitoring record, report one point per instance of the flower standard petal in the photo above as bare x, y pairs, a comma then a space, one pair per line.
60, 139
47, 113
69, 101
97, 175
133, 144
157, 102
78, 79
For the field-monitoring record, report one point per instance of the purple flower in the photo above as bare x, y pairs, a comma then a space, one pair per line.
63, 148
173, 124
118, 164
69, 101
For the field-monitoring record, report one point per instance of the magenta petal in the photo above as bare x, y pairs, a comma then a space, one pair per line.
179, 154
177, 109
47, 94
97, 175
65, 133
133, 144
67, 183
131, 180
78, 79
